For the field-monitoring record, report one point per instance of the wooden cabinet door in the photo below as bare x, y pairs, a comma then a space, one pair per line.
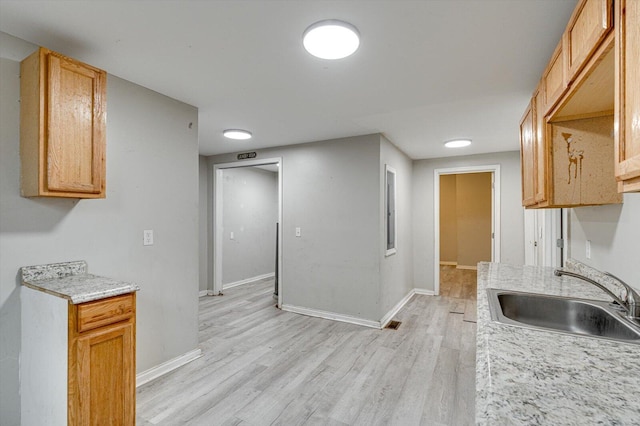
553, 81
627, 60
540, 144
588, 26
75, 126
527, 154
102, 376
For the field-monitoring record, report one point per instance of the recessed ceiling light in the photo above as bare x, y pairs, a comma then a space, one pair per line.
237, 134
331, 39
458, 143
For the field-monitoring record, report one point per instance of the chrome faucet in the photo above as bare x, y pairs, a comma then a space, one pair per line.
631, 302
632, 298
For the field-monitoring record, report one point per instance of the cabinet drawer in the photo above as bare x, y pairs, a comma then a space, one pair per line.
103, 312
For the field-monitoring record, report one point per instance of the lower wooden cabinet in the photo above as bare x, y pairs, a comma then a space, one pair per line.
77, 363
102, 362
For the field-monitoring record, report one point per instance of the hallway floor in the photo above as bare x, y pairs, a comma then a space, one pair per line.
263, 366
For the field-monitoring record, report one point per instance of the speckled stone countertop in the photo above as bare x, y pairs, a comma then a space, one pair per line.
534, 377
71, 281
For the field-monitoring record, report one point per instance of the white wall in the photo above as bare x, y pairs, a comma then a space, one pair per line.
250, 211
614, 232
152, 183
511, 211
331, 191
396, 271
203, 218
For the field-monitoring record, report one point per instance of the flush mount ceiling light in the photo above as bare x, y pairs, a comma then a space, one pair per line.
458, 143
331, 39
237, 134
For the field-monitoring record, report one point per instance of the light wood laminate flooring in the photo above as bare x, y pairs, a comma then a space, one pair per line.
263, 366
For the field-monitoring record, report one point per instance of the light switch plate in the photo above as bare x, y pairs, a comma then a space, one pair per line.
147, 237
298, 233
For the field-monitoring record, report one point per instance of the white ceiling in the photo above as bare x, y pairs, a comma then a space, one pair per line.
426, 71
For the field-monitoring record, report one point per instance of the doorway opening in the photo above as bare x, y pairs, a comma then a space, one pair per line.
238, 224
493, 232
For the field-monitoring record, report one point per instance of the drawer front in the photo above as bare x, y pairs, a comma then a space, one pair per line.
106, 311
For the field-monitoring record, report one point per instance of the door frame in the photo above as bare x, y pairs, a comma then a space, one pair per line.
216, 208
494, 169
542, 230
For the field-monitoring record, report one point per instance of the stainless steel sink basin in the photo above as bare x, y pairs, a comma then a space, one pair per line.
562, 314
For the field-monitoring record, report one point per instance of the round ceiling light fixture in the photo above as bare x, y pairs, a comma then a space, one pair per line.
237, 134
458, 143
331, 39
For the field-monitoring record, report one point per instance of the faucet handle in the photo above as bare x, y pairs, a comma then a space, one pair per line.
628, 295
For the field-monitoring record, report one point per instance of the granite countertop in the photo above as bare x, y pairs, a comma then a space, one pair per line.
71, 281
535, 377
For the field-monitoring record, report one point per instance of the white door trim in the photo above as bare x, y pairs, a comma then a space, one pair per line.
217, 218
494, 169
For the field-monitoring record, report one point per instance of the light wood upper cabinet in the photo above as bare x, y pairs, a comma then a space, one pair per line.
569, 159
553, 80
540, 143
527, 154
62, 127
627, 91
533, 151
589, 24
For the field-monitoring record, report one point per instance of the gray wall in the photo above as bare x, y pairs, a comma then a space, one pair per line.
614, 232
203, 232
331, 191
511, 211
396, 271
250, 211
152, 181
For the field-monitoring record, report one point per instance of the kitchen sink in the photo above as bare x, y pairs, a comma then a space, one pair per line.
562, 314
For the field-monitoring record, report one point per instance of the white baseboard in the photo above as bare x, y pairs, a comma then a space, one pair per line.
474, 268
445, 263
331, 316
248, 280
203, 293
423, 292
165, 367
389, 316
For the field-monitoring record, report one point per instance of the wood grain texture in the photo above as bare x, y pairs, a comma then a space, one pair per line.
541, 157
527, 154
105, 311
627, 91
592, 92
583, 173
63, 127
101, 376
263, 366
589, 24
553, 80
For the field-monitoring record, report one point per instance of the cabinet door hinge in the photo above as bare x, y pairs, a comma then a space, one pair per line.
560, 243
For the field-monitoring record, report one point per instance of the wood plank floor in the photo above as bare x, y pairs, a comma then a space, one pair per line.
263, 366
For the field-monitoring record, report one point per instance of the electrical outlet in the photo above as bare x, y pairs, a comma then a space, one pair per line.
147, 237
231, 235
298, 233
588, 249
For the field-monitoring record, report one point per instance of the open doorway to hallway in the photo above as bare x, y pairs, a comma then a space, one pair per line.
247, 214
465, 231
467, 225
